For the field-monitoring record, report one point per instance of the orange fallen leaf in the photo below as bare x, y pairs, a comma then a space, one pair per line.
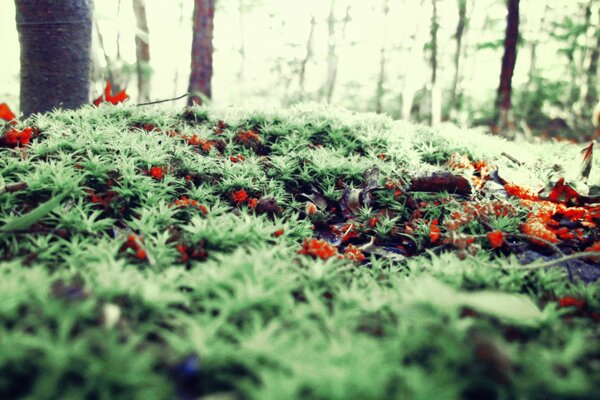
7, 114
109, 98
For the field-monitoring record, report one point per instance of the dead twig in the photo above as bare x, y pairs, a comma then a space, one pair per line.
162, 101
556, 261
15, 187
511, 158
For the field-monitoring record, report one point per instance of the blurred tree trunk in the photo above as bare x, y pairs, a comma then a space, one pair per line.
202, 51
142, 51
332, 56
242, 48
588, 91
409, 89
458, 36
381, 76
55, 40
504, 110
309, 53
436, 91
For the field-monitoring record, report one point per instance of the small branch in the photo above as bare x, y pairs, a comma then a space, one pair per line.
511, 158
13, 188
162, 101
556, 261
534, 238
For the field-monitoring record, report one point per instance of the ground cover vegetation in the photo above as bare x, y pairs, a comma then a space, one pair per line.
304, 253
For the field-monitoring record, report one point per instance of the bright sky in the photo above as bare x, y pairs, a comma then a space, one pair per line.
276, 31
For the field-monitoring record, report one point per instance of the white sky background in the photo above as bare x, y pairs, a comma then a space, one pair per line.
276, 30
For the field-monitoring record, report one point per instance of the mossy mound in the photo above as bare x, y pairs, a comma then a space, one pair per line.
304, 253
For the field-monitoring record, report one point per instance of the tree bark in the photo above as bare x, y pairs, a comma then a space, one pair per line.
242, 48
458, 36
142, 51
436, 94
409, 90
202, 51
504, 109
332, 56
381, 77
309, 53
55, 40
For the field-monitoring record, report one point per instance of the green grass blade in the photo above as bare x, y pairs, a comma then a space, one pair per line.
25, 221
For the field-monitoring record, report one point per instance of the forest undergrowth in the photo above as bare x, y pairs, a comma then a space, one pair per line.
156, 253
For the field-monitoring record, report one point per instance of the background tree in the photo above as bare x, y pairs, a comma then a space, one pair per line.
458, 36
436, 91
142, 50
202, 51
380, 90
505, 116
332, 54
55, 40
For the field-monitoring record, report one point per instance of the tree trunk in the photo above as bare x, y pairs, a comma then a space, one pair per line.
460, 30
142, 51
436, 91
409, 89
309, 53
588, 93
242, 48
381, 77
332, 56
55, 42
202, 51
505, 117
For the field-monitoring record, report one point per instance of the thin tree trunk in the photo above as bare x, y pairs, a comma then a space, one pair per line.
176, 73
505, 115
436, 91
142, 50
309, 53
409, 90
242, 48
56, 39
589, 90
381, 77
109, 73
460, 30
533, 59
202, 51
332, 56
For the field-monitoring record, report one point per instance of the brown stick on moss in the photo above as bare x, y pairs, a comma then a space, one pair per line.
55, 39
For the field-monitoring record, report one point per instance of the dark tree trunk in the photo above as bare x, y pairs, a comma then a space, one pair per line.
142, 51
436, 95
460, 30
379, 92
202, 51
505, 115
309, 54
55, 42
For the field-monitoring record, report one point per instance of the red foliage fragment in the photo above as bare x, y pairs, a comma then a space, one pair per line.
134, 242
310, 208
569, 301
240, 196
562, 193
434, 231
157, 172
318, 248
15, 137
496, 239
7, 114
108, 97
353, 253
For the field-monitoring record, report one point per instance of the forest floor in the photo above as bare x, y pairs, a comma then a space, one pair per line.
304, 253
